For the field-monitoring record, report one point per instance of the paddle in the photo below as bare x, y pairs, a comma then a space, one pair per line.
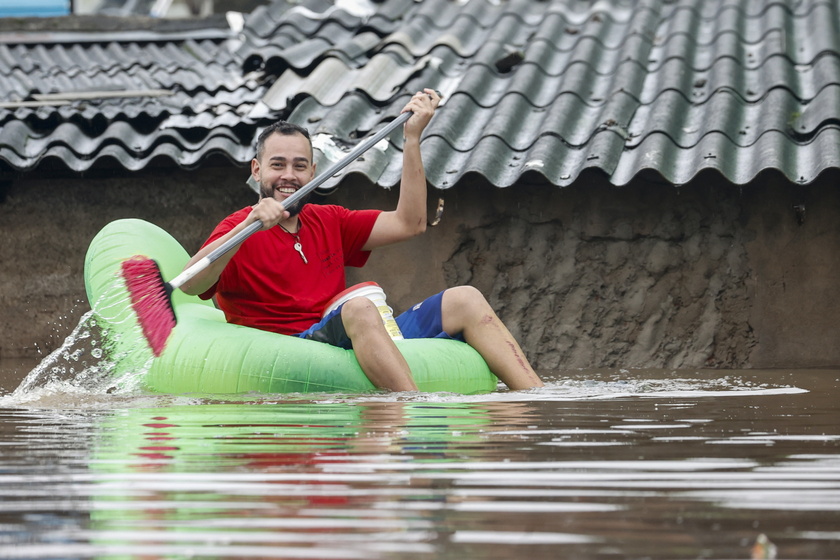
151, 296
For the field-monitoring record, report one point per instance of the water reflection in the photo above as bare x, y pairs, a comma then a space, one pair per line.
590, 467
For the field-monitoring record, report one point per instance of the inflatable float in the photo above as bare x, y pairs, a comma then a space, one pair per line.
207, 355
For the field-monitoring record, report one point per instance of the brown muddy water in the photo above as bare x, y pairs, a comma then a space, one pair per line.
598, 464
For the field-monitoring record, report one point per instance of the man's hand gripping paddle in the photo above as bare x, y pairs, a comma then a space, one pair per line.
151, 296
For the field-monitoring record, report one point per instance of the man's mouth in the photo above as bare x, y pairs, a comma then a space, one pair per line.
286, 189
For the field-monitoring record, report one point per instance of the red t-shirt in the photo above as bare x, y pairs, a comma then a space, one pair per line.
268, 286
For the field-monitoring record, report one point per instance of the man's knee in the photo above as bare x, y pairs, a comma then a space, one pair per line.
465, 297
360, 313
463, 306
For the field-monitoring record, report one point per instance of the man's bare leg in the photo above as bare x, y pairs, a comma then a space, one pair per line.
466, 311
376, 352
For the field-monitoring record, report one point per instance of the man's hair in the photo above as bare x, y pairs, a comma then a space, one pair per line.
284, 128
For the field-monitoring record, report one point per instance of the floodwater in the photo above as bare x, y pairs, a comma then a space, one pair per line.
598, 464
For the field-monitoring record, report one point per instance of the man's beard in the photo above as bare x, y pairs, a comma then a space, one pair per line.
267, 191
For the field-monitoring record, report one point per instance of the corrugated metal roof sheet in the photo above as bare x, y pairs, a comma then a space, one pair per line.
131, 96
535, 90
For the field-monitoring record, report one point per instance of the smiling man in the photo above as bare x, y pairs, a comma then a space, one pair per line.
281, 278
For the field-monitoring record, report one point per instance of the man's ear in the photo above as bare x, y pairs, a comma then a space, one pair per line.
255, 170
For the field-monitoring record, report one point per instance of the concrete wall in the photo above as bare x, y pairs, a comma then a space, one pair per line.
648, 275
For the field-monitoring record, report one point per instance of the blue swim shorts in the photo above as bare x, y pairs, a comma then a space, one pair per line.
421, 321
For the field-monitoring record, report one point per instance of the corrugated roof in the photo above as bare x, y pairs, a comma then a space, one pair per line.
535, 90
126, 96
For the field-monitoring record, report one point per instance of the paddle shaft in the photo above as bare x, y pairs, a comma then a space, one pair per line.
254, 227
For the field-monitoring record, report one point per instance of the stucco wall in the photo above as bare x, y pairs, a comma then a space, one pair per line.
648, 275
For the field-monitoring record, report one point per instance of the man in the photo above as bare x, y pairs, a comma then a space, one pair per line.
281, 277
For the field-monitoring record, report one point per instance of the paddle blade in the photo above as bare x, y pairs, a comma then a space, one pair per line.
151, 300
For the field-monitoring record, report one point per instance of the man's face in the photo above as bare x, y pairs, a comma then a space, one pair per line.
286, 165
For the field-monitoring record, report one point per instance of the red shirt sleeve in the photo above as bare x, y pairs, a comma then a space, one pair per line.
356, 228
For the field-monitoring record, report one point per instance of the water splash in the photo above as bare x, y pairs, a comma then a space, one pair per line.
104, 354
